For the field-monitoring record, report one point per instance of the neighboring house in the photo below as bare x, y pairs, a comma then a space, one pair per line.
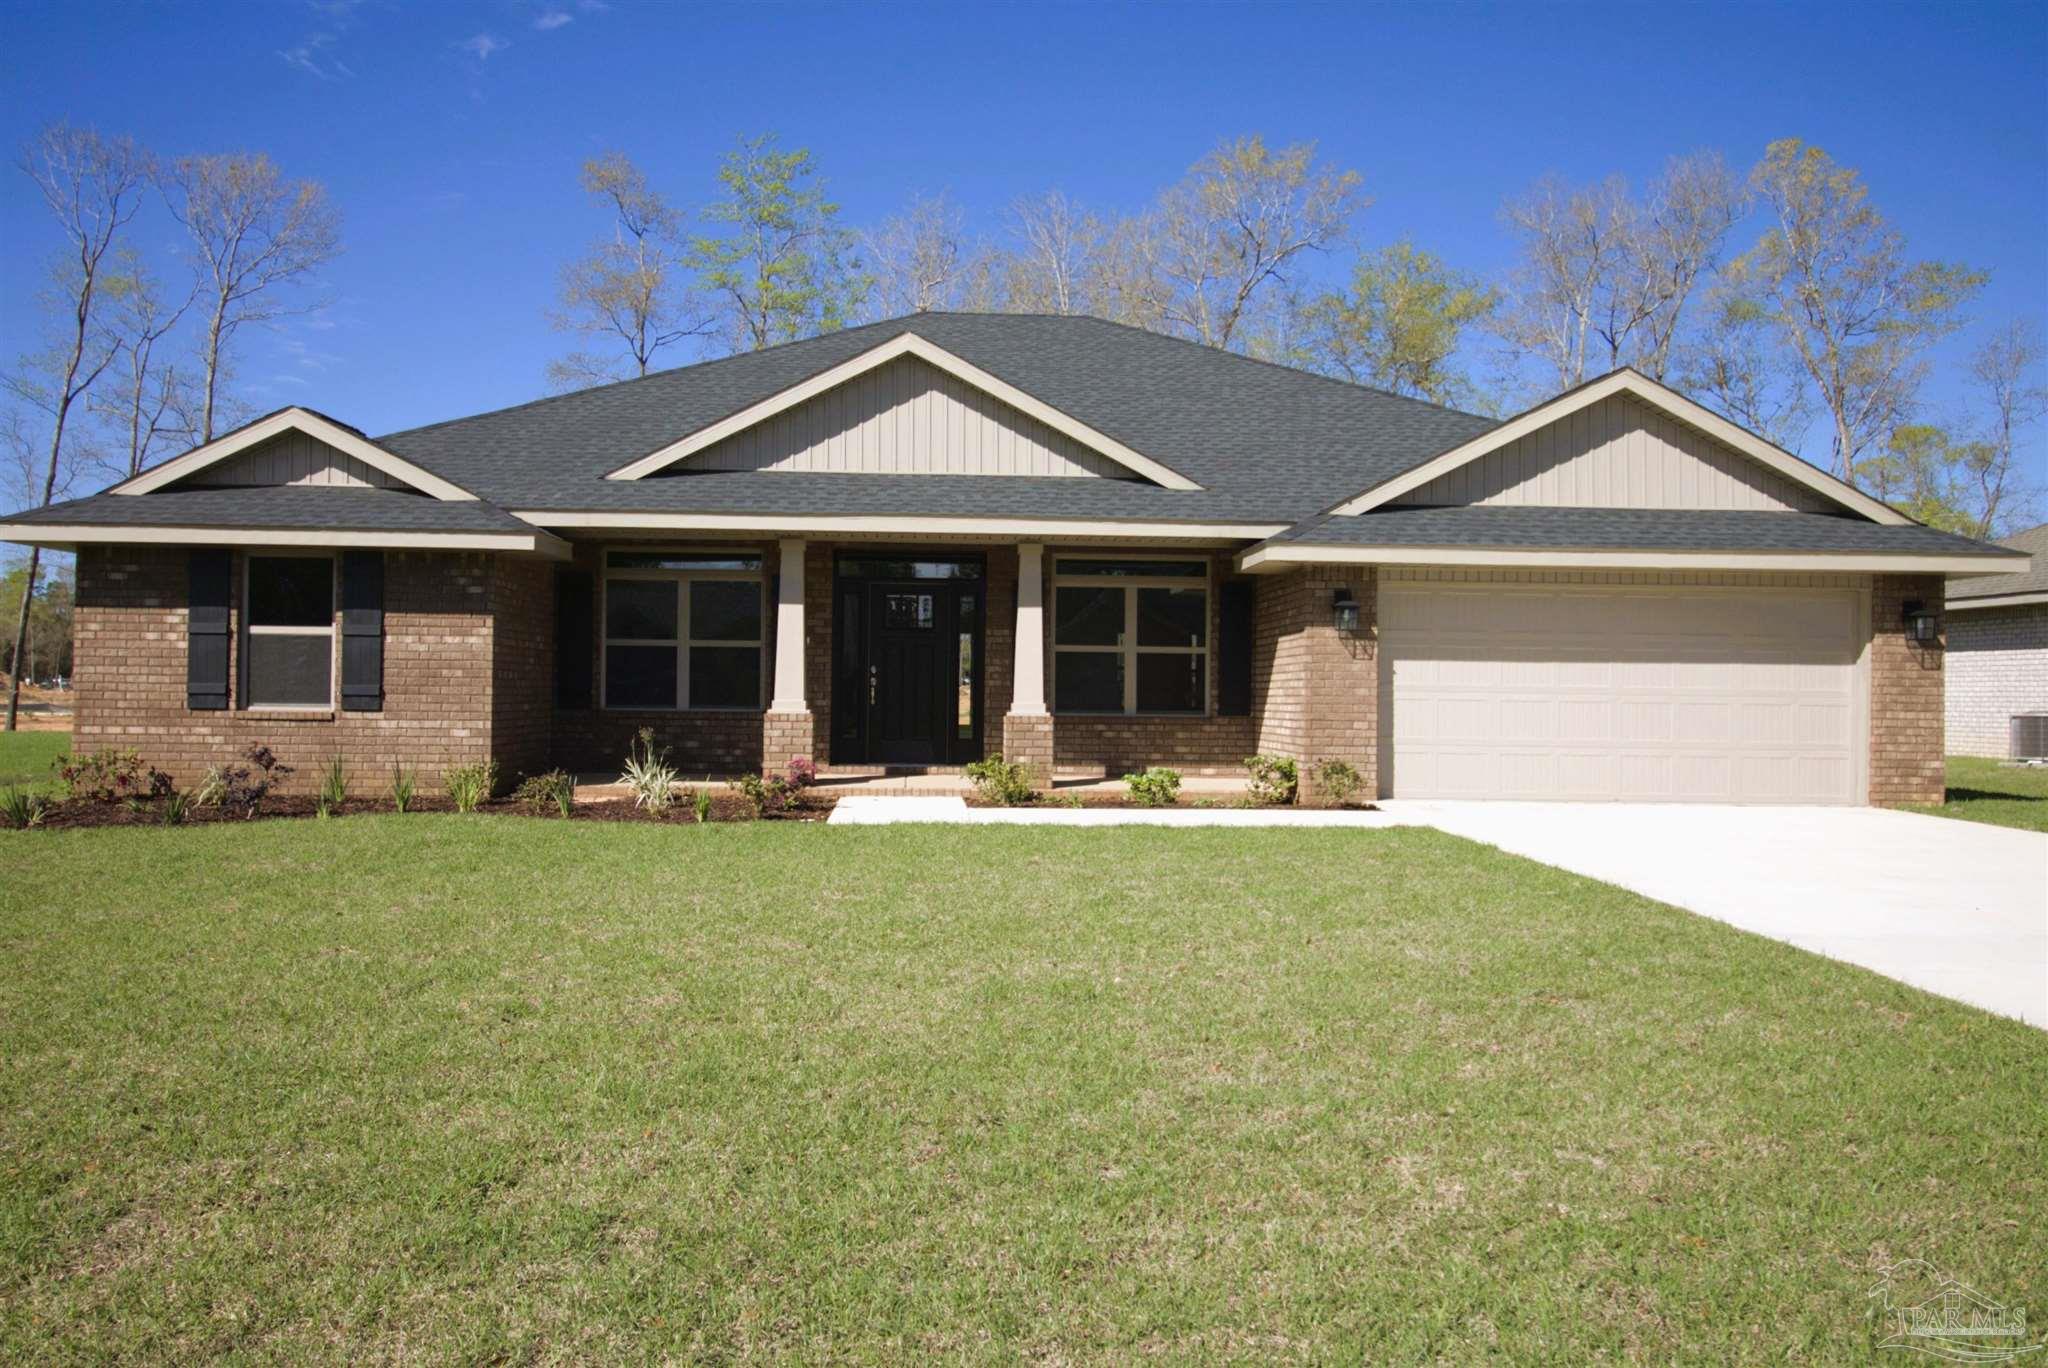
1998, 651
1080, 545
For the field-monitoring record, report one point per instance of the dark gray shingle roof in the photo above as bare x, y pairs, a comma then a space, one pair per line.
1627, 529
290, 506
2034, 580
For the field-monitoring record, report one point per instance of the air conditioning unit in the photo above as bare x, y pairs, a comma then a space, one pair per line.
2030, 736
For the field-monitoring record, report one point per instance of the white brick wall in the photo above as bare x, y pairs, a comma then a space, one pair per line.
1997, 666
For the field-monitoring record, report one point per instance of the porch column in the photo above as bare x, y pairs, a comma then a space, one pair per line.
1027, 730
786, 732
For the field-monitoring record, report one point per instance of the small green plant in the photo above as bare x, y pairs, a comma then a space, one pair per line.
175, 806
1274, 778
22, 808
334, 783
754, 789
648, 775
540, 793
1156, 787
468, 786
1337, 782
1065, 800
110, 775
1002, 782
405, 785
700, 806
245, 786
211, 788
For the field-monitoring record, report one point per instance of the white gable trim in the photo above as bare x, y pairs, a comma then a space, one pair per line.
904, 344
286, 420
1657, 396
1266, 560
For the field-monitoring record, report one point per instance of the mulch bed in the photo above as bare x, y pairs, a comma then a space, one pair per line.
725, 807
1119, 800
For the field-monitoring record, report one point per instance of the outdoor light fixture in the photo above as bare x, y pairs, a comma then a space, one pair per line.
1921, 625
1343, 610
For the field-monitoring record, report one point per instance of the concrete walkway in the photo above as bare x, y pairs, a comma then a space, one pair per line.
1957, 908
880, 811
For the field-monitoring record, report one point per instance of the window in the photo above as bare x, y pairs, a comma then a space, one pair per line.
682, 629
288, 645
1130, 636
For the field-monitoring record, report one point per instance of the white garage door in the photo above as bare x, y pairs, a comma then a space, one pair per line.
1639, 694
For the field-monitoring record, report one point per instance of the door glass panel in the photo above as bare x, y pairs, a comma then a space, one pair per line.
640, 609
907, 612
1173, 617
724, 610
725, 677
1171, 682
640, 676
1089, 681
1088, 615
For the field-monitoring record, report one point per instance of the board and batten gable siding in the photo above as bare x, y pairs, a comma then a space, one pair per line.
1618, 453
293, 458
906, 418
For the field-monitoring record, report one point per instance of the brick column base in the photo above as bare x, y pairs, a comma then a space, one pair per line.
784, 736
1027, 741
1906, 722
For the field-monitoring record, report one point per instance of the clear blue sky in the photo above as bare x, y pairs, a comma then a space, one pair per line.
456, 172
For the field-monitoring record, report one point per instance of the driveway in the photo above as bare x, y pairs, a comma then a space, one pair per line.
1957, 908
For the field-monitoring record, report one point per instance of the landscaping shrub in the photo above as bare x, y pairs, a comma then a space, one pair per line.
211, 788
1337, 782
245, 786
1156, 787
700, 806
538, 793
110, 774
648, 775
22, 809
333, 785
469, 786
800, 775
174, 809
754, 789
1001, 782
405, 783
1274, 778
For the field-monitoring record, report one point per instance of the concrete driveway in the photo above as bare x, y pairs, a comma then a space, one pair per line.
1957, 908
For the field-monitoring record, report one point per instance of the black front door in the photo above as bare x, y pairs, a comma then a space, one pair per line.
907, 661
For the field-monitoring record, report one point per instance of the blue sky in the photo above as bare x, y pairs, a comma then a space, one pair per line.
450, 133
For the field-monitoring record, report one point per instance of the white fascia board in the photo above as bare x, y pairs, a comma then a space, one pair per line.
66, 536
286, 420
897, 523
905, 344
1657, 396
1269, 559
1964, 605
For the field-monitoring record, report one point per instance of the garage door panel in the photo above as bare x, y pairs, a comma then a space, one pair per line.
1631, 694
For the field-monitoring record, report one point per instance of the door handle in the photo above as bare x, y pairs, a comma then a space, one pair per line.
871, 686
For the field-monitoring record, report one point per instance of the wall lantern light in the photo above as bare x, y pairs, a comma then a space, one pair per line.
1921, 624
1343, 610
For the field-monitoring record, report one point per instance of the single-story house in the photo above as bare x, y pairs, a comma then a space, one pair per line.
1083, 546
1998, 652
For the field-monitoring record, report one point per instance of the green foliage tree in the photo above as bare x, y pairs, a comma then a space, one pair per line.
783, 268
1399, 324
1924, 473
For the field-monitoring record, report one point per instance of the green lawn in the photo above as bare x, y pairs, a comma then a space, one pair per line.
493, 1089
1987, 791
25, 757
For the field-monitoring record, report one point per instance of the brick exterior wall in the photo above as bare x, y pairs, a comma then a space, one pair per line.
439, 682
522, 618
1315, 691
1997, 665
1905, 696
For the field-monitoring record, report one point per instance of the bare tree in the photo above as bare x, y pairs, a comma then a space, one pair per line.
1235, 226
1571, 241
255, 235
2007, 370
1832, 274
1732, 362
917, 257
92, 186
1057, 243
1124, 282
153, 401
632, 287
1678, 237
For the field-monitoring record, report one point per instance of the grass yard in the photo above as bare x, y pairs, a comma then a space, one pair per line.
25, 757
1987, 791
494, 1089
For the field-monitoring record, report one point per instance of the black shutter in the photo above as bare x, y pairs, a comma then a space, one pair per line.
362, 631
209, 578
574, 650
1234, 650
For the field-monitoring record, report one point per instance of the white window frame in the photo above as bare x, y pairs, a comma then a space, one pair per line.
250, 628
1129, 648
684, 642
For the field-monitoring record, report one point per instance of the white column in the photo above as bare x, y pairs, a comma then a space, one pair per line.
789, 633
1028, 690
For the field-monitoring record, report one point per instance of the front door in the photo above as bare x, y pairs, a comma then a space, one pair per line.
908, 673
907, 653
